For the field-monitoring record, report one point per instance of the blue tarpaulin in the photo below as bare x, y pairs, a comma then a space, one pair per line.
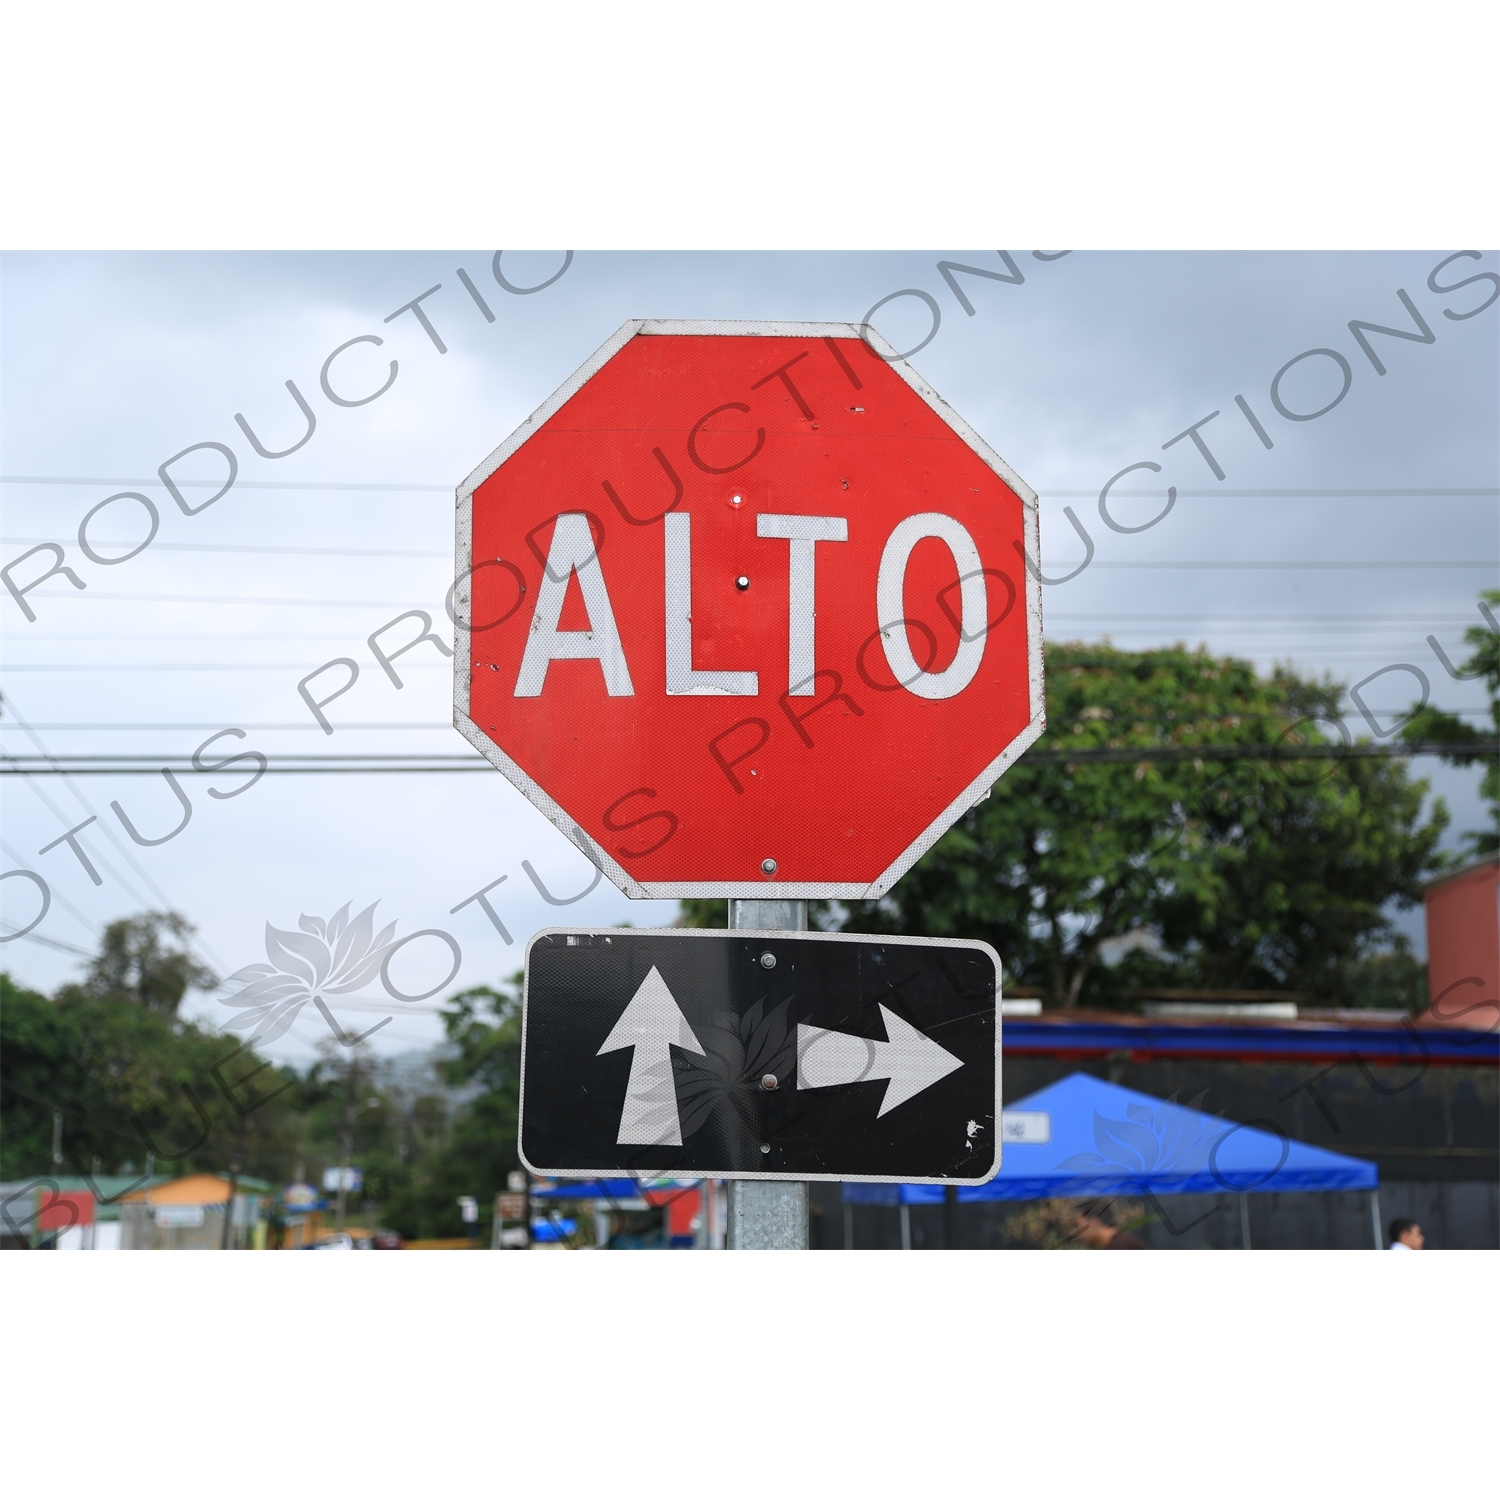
611, 1188
1084, 1138
622, 1191
1306, 1040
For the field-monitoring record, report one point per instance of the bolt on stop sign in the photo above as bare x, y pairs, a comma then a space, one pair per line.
745, 610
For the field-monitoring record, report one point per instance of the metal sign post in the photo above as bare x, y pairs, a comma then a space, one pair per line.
768, 1215
719, 596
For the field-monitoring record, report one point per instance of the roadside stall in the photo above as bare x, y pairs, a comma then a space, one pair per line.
188, 1213
1083, 1138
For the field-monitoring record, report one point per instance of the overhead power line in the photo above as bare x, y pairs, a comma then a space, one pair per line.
101, 826
300, 725
93, 596
315, 764
48, 942
404, 553
240, 484
357, 486
194, 666
1180, 616
1126, 756
307, 726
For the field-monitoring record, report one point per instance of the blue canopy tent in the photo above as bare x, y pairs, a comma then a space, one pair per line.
611, 1189
1084, 1138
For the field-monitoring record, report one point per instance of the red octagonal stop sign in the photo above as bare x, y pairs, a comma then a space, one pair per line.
744, 610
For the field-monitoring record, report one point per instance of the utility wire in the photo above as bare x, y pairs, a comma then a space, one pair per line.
29, 541
1199, 565
193, 666
444, 724
440, 724
47, 942
94, 595
10, 769
243, 484
57, 896
1181, 616
165, 900
1298, 492
313, 764
1258, 752
1345, 651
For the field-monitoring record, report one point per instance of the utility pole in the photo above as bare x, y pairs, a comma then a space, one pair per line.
227, 1242
768, 1215
351, 1082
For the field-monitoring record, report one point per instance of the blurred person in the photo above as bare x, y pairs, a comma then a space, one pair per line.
1406, 1234
1096, 1234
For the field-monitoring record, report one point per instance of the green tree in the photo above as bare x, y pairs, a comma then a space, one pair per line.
485, 1025
1256, 874
136, 961
128, 1082
1469, 745
131, 1080
127, 1078
477, 1149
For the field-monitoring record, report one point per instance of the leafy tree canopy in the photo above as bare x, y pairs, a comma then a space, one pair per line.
146, 959
107, 1068
1091, 879
476, 1149
1430, 724
124, 1083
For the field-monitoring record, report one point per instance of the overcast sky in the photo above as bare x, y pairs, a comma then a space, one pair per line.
1377, 520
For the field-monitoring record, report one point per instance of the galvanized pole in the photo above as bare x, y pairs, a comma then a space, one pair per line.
768, 1215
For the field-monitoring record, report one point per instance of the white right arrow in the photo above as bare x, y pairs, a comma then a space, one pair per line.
652, 1023
910, 1060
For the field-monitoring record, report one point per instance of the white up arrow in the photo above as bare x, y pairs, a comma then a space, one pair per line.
909, 1059
652, 1023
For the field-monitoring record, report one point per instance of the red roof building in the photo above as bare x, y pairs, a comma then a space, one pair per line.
1463, 946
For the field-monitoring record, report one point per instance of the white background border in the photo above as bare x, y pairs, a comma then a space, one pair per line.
1302, 123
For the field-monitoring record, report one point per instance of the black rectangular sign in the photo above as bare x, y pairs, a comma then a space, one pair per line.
784, 1055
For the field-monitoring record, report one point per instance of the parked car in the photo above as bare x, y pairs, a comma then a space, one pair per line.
359, 1239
